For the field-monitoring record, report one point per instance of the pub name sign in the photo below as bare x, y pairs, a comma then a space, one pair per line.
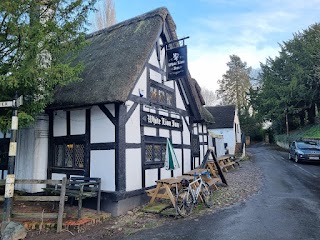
177, 64
156, 120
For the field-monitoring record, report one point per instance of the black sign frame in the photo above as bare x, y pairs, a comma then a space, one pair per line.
177, 62
160, 121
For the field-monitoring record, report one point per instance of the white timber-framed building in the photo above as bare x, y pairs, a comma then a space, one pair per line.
114, 123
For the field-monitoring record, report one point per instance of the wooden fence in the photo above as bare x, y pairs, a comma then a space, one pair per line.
61, 199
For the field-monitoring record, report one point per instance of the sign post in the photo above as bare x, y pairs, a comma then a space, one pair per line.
9, 187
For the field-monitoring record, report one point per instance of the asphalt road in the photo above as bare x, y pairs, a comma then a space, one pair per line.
287, 206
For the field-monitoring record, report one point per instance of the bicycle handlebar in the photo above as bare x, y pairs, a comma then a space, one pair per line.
199, 175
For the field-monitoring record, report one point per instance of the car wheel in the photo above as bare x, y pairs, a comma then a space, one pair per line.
296, 159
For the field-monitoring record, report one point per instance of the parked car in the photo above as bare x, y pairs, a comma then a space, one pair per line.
304, 151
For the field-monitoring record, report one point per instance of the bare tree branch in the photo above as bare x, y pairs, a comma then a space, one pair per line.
106, 15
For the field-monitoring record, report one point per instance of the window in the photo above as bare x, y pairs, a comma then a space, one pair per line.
195, 146
69, 155
161, 94
155, 152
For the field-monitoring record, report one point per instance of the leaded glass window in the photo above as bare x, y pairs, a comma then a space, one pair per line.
195, 146
162, 97
155, 152
148, 153
70, 155
153, 94
161, 94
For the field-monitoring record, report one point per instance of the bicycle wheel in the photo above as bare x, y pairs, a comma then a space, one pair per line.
184, 203
206, 195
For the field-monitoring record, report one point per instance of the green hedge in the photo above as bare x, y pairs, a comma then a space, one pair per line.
312, 131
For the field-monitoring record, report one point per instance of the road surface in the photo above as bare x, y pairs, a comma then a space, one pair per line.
287, 207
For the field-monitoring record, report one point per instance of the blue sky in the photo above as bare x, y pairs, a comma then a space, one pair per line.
217, 29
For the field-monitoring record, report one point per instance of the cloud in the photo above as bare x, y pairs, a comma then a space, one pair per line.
207, 67
253, 34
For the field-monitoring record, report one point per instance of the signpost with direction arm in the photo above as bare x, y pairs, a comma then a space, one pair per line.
9, 188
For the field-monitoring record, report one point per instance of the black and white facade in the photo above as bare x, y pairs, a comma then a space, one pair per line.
118, 131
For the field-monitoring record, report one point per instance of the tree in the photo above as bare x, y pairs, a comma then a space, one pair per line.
209, 96
235, 83
106, 15
291, 82
35, 39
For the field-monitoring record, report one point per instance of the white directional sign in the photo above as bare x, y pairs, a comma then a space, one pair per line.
6, 104
18, 102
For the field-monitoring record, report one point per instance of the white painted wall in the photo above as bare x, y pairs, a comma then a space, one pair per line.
179, 101
162, 53
176, 137
133, 169
187, 161
196, 162
153, 59
219, 145
102, 164
133, 134
59, 123
170, 84
149, 131
155, 76
186, 132
78, 122
195, 129
102, 129
151, 175
141, 85
164, 133
229, 137
165, 173
178, 172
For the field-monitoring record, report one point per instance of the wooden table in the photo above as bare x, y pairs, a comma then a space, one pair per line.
163, 188
210, 181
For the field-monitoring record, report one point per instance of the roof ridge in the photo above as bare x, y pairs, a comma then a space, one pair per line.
161, 12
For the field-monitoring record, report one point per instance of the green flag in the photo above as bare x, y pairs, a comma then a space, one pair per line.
171, 161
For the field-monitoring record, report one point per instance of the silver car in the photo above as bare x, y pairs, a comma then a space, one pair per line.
304, 151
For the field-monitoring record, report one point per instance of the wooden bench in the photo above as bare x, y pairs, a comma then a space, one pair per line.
80, 188
150, 192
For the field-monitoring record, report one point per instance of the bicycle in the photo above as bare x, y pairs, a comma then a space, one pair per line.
188, 195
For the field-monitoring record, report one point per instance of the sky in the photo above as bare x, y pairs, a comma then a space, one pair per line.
251, 29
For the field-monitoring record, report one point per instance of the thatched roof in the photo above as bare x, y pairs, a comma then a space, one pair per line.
223, 116
113, 60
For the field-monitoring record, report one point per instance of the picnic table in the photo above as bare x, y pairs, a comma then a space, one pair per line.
210, 181
226, 162
164, 186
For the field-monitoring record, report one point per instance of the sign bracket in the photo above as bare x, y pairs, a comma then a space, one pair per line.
174, 41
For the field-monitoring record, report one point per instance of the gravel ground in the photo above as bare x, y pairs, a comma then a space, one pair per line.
243, 182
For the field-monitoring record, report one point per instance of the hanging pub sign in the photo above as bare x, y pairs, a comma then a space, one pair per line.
177, 63
156, 120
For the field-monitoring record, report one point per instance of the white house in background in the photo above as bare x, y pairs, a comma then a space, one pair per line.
216, 141
114, 123
226, 123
